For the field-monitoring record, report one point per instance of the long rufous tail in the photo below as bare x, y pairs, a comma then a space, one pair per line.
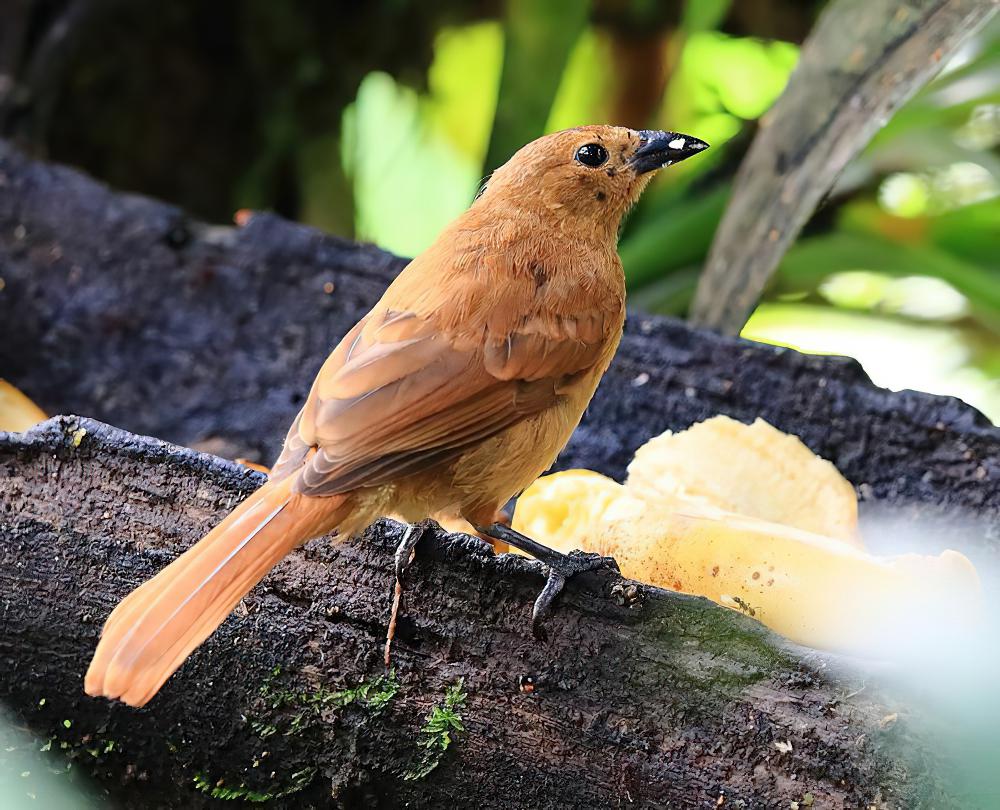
154, 629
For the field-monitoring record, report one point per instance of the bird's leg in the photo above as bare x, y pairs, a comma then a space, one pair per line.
404, 556
561, 567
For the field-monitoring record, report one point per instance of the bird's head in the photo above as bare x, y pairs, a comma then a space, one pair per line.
586, 179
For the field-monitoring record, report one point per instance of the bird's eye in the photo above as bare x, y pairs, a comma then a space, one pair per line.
592, 154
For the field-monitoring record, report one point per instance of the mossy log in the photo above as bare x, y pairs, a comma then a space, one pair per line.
122, 308
667, 701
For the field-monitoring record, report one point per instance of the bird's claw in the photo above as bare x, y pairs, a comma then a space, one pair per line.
576, 562
580, 562
561, 567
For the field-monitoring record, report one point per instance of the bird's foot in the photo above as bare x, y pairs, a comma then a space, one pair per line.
405, 552
406, 549
561, 568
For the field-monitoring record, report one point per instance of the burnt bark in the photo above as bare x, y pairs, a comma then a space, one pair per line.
671, 702
125, 309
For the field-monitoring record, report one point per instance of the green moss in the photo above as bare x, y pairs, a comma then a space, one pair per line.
218, 789
67, 751
307, 706
290, 711
439, 731
373, 696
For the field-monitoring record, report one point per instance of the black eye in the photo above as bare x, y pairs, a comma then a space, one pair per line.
592, 154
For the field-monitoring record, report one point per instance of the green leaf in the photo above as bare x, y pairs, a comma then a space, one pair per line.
971, 233
676, 236
414, 161
702, 15
812, 260
435, 733
539, 36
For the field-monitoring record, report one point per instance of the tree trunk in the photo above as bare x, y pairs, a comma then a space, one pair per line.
120, 307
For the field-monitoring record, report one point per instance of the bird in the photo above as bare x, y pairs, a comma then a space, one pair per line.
453, 394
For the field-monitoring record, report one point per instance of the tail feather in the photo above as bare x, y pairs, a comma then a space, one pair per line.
154, 629
136, 603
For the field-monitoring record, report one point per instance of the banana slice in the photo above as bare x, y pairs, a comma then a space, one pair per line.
820, 590
17, 412
754, 470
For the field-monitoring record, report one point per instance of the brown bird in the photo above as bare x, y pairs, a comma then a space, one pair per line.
454, 393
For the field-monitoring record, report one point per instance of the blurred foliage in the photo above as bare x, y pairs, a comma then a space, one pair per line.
415, 160
538, 36
46, 772
381, 120
900, 267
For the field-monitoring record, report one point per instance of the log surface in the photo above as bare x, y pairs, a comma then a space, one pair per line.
672, 702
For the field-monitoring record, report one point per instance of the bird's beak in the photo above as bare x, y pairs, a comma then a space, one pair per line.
660, 149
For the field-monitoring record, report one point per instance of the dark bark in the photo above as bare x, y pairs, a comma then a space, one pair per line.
673, 702
121, 307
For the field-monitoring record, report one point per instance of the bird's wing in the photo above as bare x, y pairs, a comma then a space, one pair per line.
398, 394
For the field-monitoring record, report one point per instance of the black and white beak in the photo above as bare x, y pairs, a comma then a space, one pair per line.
658, 150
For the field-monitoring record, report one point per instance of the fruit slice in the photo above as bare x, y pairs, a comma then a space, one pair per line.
17, 412
666, 526
754, 470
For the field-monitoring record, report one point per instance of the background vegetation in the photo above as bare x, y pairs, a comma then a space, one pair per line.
378, 121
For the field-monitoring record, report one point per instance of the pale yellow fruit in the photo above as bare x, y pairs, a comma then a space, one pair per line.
754, 470
559, 508
818, 591
17, 412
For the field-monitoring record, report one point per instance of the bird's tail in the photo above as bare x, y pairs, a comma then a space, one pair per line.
148, 636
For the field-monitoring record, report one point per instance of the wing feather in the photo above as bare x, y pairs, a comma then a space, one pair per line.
399, 395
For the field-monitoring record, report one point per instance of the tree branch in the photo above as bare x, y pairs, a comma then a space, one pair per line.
842, 91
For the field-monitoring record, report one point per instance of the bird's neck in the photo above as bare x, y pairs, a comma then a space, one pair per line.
521, 246
508, 225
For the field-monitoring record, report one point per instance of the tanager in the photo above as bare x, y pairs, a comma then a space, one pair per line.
454, 393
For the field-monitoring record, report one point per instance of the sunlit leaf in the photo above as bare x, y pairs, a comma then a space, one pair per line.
721, 80
539, 36
582, 94
814, 259
916, 297
414, 161
463, 82
905, 194
937, 358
